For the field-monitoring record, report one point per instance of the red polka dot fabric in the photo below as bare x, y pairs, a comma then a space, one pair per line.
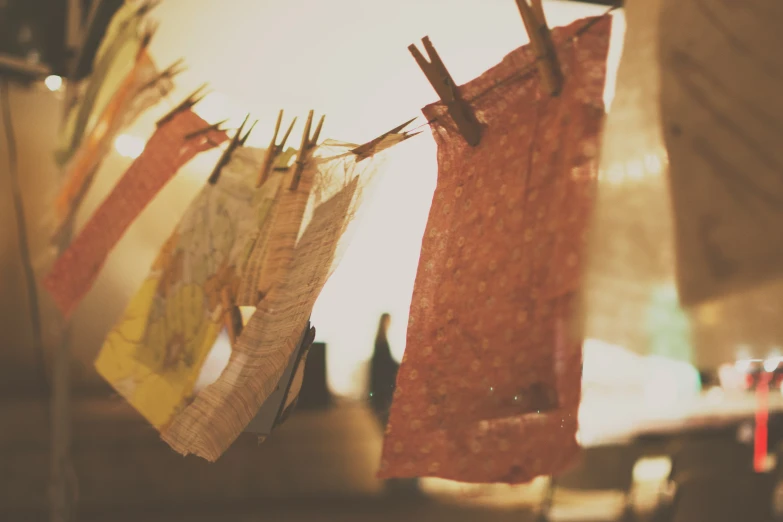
168, 149
489, 388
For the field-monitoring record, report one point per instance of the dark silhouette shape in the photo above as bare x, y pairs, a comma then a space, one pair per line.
383, 377
383, 373
315, 394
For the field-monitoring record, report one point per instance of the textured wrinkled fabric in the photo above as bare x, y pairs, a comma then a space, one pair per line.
489, 386
166, 152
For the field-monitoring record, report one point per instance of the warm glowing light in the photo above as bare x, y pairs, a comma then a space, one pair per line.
715, 395
635, 170
652, 469
216, 362
53, 83
129, 146
653, 164
217, 107
743, 365
770, 365
246, 312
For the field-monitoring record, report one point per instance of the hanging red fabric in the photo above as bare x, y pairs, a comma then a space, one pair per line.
489, 388
169, 148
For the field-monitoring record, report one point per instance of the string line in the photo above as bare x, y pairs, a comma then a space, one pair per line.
527, 71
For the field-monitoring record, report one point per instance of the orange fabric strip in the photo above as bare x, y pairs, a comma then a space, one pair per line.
166, 152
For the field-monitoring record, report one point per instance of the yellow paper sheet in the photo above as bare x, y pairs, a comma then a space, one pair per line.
154, 354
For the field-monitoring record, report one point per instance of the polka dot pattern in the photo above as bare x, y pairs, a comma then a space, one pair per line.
489, 388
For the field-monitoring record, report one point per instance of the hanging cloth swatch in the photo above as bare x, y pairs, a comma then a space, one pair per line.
722, 116
311, 229
631, 251
630, 254
113, 61
155, 352
166, 152
489, 387
141, 89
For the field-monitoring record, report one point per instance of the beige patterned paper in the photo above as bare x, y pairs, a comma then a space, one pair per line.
310, 229
220, 412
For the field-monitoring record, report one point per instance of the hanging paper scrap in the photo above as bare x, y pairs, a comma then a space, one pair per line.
154, 354
166, 152
310, 231
141, 89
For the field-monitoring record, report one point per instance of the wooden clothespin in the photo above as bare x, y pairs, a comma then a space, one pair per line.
384, 141
146, 7
274, 150
167, 74
146, 37
237, 141
208, 128
306, 149
189, 102
541, 41
441, 81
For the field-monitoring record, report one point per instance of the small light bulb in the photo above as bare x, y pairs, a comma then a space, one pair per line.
129, 146
53, 83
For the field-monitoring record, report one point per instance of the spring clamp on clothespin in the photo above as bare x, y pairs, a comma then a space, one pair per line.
186, 104
274, 150
384, 141
167, 74
541, 41
441, 81
214, 127
146, 37
306, 149
237, 141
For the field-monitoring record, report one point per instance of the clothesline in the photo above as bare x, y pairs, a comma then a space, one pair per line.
521, 75
524, 73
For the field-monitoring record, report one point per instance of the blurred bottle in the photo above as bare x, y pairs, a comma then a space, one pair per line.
383, 377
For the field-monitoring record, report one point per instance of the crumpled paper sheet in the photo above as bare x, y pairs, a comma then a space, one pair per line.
632, 239
155, 352
324, 206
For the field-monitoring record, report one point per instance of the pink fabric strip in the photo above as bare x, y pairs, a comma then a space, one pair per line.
166, 152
